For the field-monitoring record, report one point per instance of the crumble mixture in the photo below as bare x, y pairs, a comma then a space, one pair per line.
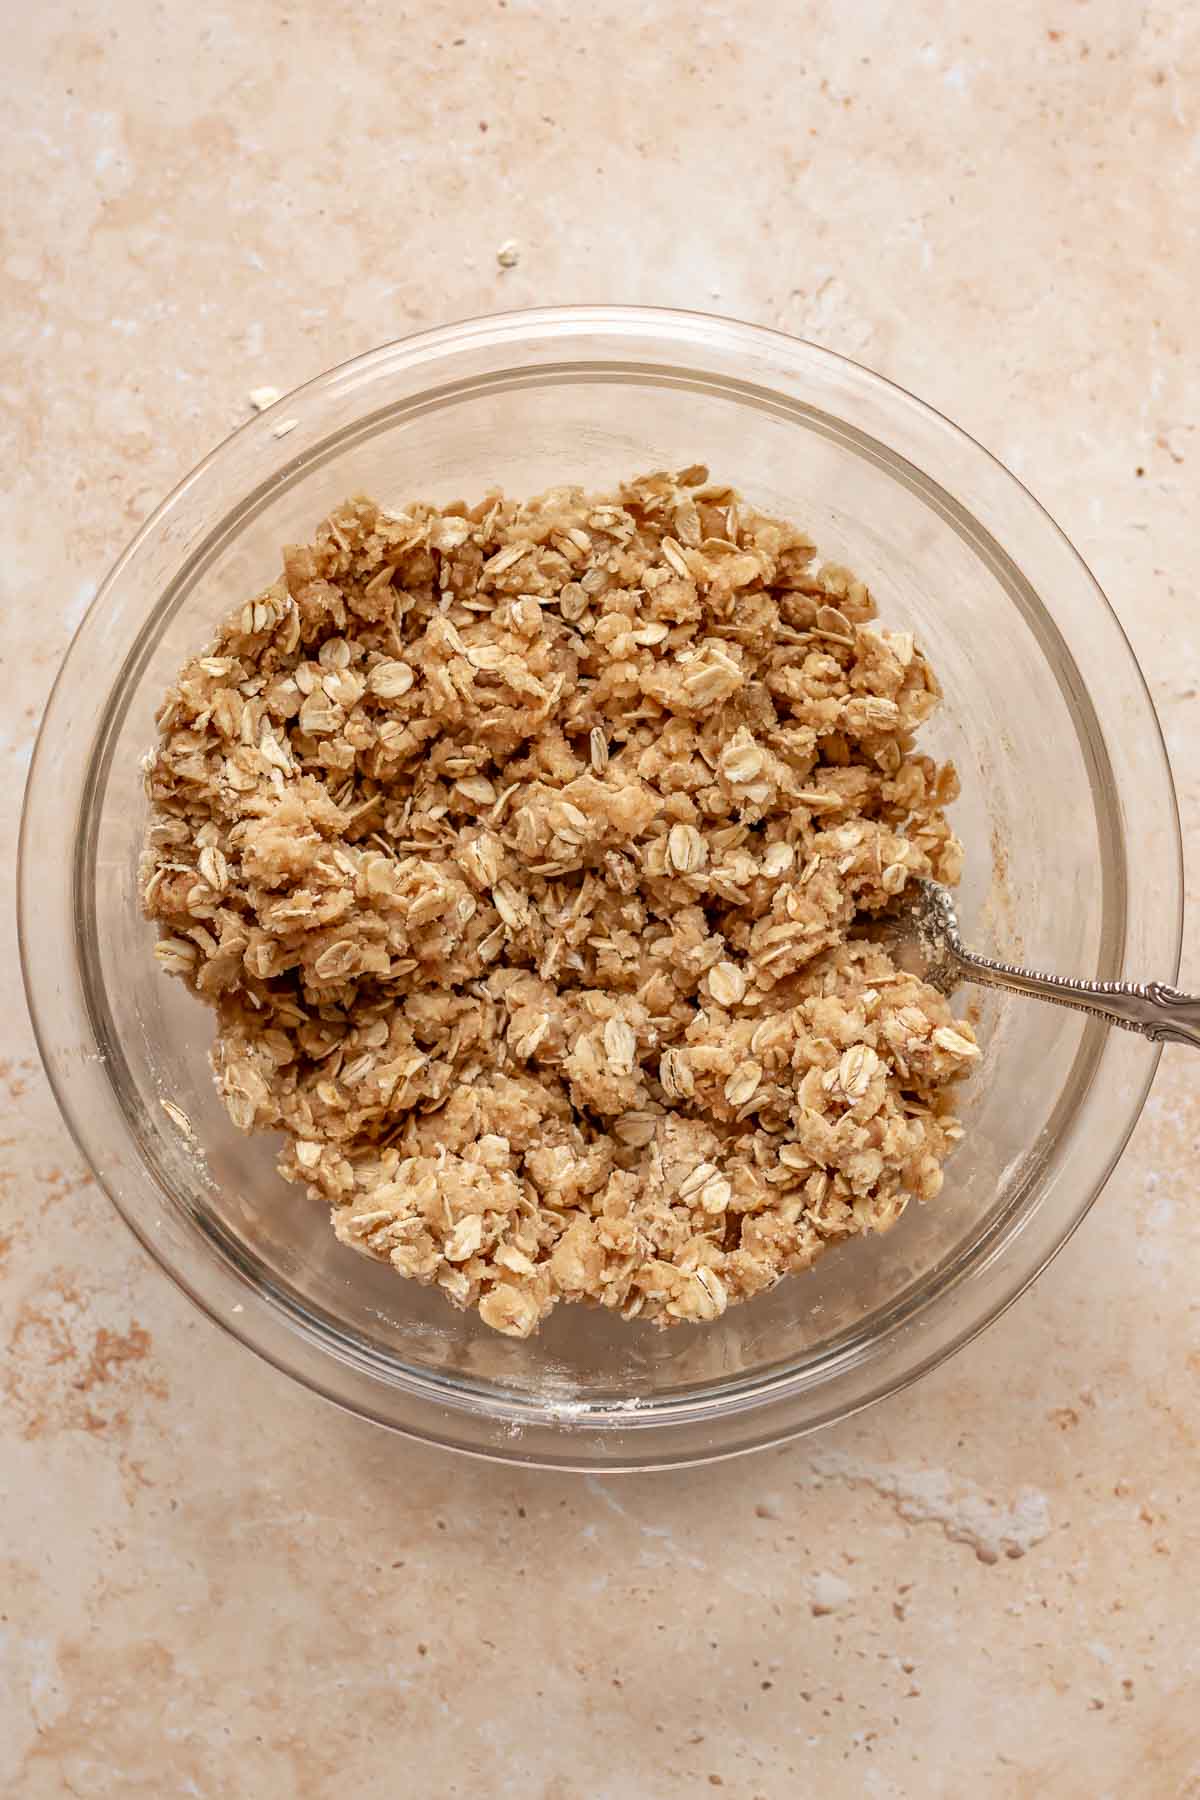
517, 847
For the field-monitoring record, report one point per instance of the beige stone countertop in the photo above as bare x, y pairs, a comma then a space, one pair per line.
213, 1584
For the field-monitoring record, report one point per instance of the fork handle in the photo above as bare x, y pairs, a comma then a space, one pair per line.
1156, 1011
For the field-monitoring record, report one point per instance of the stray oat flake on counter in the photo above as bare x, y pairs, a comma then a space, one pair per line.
517, 848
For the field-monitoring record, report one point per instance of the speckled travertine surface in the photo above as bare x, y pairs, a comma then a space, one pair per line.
212, 1584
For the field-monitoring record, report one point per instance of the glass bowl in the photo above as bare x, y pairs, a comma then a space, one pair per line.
1067, 814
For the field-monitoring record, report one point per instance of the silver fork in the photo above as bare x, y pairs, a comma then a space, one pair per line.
927, 922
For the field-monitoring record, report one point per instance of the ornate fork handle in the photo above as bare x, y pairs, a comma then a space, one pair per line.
1154, 1010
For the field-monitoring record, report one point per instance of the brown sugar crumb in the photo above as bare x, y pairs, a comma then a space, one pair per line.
517, 847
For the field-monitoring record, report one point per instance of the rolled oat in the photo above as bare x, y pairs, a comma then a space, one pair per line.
517, 847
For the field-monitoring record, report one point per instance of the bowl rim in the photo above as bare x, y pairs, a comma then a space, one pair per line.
566, 1434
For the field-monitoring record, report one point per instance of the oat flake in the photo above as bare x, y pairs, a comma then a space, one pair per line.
516, 848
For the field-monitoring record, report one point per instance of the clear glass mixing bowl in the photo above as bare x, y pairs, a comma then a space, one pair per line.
1067, 814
